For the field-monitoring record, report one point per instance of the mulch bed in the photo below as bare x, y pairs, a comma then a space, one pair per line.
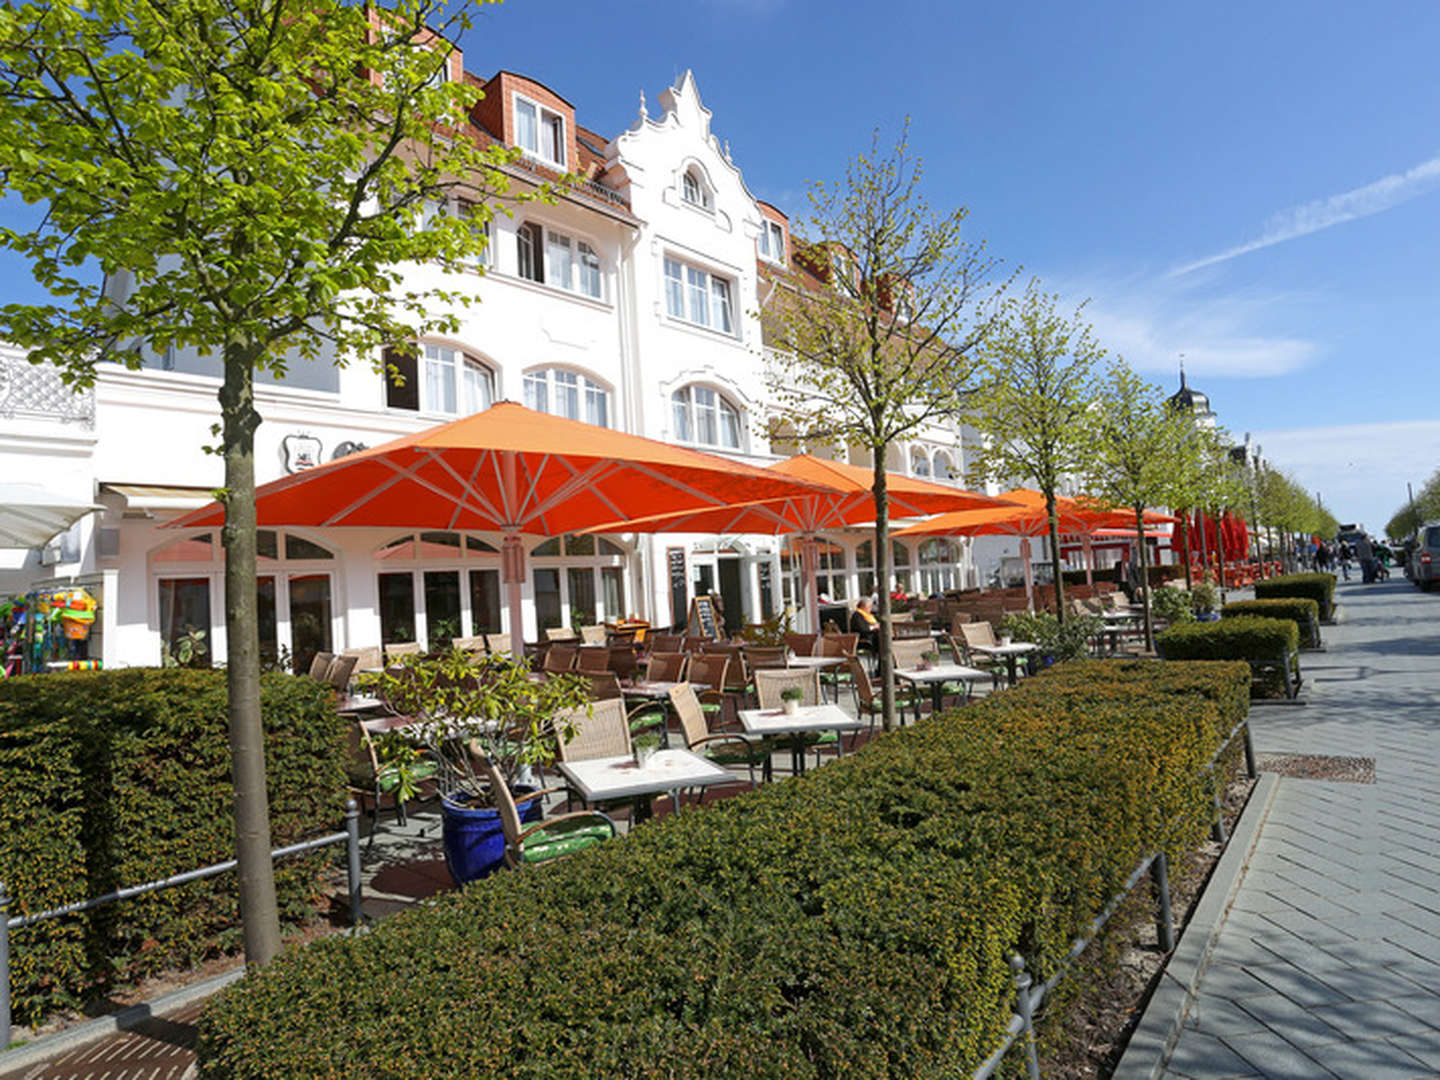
1101, 1000
1352, 770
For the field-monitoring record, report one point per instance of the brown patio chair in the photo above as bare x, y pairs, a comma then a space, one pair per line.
471, 645
592, 635
495, 644
665, 643
622, 659
867, 699
907, 653
707, 672
396, 649
722, 747
561, 633
559, 658
666, 667
770, 683
367, 779
593, 659
341, 668
801, 644
604, 686
320, 666
367, 657
600, 731
765, 657
544, 841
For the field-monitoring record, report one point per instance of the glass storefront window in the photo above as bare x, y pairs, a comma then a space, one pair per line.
309, 617
582, 593
485, 601
442, 608
397, 608
184, 611
266, 615
547, 597
612, 584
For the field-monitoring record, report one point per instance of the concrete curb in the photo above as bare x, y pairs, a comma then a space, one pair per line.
1159, 1030
62, 1042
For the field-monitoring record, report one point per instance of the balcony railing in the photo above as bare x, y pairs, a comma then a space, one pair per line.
36, 391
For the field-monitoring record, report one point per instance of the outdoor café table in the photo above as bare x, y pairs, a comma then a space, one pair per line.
657, 689
357, 703
1118, 623
937, 675
805, 720
602, 779
1011, 654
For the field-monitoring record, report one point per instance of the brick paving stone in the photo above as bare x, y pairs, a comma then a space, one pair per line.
1204, 1057
1276, 1059
1347, 874
1373, 1059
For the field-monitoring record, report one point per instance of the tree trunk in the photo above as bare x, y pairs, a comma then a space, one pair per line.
882, 574
258, 912
1144, 577
1055, 570
1185, 551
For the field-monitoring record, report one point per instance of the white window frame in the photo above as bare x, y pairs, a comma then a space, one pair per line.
459, 361
696, 292
772, 241
687, 422
541, 122
417, 567
919, 456
553, 380
704, 197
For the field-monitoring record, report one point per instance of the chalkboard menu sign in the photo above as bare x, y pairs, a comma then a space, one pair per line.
702, 618
675, 561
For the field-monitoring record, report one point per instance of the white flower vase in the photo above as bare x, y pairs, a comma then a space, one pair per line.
790, 706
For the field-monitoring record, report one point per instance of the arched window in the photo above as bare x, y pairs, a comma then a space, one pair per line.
694, 190
561, 392
941, 466
899, 566
919, 462
938, 565
579, 581
293, 591
455, 591
453, 383
701, 415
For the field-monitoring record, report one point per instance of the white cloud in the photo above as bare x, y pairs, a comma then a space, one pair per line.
1151, 323
1360, 470
1373, 198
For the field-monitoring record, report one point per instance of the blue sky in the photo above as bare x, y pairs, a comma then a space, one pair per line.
1256, 186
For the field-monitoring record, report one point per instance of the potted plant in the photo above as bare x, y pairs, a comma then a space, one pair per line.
644, 747
790, 699
928, 659
466, 705
1205, 600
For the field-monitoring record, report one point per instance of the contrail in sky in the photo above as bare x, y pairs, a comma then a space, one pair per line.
1372, 198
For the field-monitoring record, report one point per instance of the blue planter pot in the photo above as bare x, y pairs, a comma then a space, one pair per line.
474, 840
1209, 616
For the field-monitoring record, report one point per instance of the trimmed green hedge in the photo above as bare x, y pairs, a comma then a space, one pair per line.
1317, 587
1301, 610
852, 922
117, 778
1241, 637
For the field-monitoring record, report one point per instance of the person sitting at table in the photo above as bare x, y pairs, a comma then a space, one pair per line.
864, 623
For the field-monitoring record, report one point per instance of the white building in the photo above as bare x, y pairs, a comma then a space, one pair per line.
628, 303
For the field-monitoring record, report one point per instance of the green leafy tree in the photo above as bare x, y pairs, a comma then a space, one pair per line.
245, 178
870, 337
1033, 406
1139, 448
1425, 506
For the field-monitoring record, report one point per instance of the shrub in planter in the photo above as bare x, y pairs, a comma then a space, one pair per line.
1302, 611
852, 922
1204, 598
1242, 637
1172, 605
1317, 587
1062, 642
116, 778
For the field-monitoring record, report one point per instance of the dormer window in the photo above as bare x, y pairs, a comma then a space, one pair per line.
694, 190
772, 241
540, 132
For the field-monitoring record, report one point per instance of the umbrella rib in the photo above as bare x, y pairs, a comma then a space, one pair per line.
374, 492
467, 488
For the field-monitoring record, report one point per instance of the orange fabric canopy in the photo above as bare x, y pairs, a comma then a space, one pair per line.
512, 470
1027, 518
847, 499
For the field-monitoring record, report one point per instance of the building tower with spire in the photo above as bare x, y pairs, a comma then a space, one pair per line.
1191, 402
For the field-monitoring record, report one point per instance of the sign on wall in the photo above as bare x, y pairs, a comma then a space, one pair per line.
300, 452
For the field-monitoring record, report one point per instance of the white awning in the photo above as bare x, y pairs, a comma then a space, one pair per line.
160, 496
30, 516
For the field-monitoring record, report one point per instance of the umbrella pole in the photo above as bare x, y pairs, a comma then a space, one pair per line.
1087, 548
1029, 573
512, 570
809, 557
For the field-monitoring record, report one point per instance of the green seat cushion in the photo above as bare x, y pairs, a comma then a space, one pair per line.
563, 838
650, 718
738, 753
389, 779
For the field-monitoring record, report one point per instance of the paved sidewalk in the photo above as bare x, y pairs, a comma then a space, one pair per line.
1328, 963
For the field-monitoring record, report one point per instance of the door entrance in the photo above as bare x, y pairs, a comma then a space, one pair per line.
732, 594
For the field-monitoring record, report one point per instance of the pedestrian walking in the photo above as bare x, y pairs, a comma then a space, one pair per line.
1346, 554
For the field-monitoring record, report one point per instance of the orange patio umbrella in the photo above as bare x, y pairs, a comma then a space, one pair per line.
1028, 519
847, 499
514, 471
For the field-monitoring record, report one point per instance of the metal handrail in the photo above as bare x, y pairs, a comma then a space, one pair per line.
350, 836
1028, 1000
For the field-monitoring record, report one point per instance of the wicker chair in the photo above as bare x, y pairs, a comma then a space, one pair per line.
395, 650
665, 643
838, 645
341, 668
471, 645
558, 659
722, 747
367, 779
993, 664
600, 731
367, 657
907, 654
770, 684
320, 666
604, 686
593, 659
548, 840
666, 667
801, 644
561, 633
592, 635
495, 644
622, 659
764, 658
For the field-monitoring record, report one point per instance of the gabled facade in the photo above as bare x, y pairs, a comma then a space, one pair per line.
630, 302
